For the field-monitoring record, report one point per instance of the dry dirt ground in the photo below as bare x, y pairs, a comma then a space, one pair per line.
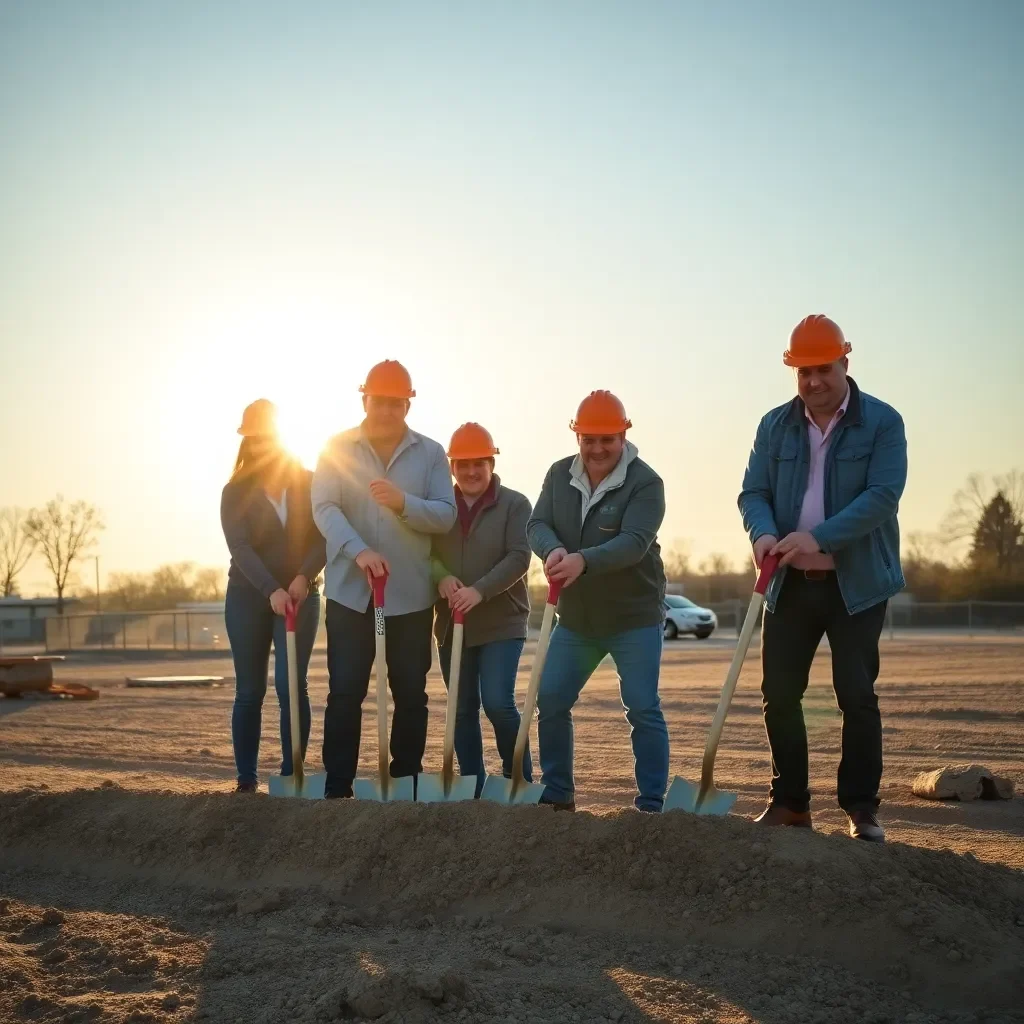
135, 887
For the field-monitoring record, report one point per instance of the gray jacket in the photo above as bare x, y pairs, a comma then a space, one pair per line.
623, 585
351, 521
493, 558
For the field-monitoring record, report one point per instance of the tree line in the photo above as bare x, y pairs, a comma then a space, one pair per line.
976, 553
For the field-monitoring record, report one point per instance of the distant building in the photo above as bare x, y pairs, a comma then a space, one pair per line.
22, 619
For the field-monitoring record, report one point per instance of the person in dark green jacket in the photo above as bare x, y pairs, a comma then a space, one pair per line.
595, 527
480, 570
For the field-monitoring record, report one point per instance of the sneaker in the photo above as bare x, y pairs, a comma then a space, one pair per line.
864, 825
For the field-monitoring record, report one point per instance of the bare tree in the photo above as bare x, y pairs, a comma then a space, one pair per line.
971, 501
16, 548
63, 533
923, 548
677, 561
209, 585
716, 565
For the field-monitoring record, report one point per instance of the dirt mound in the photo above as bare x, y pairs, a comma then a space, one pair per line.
478, 912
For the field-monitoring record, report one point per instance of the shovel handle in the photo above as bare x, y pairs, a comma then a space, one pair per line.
554, 591
768, 566
458, 618
291, 616
377, 585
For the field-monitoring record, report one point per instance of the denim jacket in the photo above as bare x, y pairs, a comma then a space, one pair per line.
865, 473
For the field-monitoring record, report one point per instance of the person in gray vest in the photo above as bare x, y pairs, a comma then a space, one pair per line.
595, 528
480, 568
380, 491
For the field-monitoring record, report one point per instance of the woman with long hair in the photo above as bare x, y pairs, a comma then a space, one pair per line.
277, 554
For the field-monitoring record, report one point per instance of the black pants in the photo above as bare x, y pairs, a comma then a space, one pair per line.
351, 651
807, 609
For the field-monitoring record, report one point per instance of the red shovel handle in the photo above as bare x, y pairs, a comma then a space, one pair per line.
768, 566
378, 583
458, 617
291, 615
554, 589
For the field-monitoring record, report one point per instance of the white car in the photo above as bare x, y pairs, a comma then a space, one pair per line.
683, 616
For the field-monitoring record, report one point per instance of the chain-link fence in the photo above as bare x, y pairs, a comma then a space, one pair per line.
967, 617
204, 630
135, 631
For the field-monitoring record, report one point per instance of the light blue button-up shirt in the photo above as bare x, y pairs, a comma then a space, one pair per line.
351, 521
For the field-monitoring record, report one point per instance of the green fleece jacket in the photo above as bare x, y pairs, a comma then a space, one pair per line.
623, 585
493, 558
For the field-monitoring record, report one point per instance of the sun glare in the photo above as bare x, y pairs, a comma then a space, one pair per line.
304, 431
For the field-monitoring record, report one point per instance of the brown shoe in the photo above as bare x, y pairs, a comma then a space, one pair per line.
777, 814
247, 787
559, 805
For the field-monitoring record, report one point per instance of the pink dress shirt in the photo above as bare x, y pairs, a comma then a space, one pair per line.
812, 511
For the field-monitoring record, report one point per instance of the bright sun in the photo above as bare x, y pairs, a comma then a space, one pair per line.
304, 430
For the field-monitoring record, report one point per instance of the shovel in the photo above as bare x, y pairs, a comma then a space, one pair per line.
310, 787
705, 799
435, 789
517, 790
383, 788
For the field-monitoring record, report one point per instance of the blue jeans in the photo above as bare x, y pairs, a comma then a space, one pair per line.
571, 661
488, 675
252, 626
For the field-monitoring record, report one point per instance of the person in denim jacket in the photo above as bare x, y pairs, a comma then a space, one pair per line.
821, 491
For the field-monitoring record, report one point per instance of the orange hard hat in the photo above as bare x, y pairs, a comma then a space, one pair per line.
389, 379
259, 419
600, 413
471, 441
815, 341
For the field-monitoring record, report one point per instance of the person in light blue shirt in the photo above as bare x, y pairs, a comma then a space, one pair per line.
380, 491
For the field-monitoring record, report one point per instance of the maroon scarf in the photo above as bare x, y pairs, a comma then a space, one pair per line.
467, 515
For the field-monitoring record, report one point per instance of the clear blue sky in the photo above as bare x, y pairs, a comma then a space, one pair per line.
201, 203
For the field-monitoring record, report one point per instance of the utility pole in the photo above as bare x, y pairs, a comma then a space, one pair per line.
96, 558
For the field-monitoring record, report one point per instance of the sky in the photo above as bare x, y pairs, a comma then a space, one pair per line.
202, 203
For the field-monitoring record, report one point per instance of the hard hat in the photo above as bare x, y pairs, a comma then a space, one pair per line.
600, 413
815, 341
389, 379
259, 419
471, 441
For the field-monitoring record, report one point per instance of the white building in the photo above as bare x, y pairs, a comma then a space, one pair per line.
21, 619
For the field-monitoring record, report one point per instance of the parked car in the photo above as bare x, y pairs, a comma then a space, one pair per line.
682, 616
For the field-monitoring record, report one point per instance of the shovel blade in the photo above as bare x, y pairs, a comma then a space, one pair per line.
681, 796
685, 796
716, 802
430, 788
307, 787
498, 790
369, 789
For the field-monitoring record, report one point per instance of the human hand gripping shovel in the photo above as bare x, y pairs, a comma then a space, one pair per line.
517, 790
432, 788
310, 787
705, 799
383, 788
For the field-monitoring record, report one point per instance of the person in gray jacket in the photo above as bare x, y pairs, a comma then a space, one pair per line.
595, 528
379, 492
480, 568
